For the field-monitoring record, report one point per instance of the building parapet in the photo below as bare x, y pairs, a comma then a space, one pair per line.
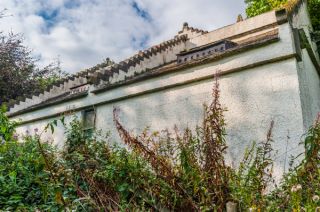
233, 39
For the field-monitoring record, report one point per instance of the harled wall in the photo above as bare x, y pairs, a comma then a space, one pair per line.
257, 86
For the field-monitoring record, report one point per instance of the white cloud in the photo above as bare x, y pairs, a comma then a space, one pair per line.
84, 32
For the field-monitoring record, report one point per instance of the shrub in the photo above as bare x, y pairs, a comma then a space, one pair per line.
109, 177
25, 180
156, 171
7, 127
193, 165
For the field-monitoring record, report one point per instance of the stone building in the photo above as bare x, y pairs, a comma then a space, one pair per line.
269, 70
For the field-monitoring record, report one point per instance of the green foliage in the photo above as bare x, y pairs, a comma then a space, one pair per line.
301, 185
254, 176
314, 8
26, 183
19, 72
109, 176
7, 127
156, 171
257, 7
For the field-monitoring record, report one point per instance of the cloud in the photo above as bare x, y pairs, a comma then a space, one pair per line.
82, 33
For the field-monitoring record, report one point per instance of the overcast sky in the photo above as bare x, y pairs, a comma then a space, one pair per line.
84, 32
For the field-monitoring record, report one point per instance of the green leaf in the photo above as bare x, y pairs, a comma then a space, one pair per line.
123, 187
12, 176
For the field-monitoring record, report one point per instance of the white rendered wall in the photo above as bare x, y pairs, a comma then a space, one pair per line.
309, 89
301, 20
280, 49
38, 127
253, 98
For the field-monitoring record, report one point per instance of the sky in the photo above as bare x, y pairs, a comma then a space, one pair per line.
82, 33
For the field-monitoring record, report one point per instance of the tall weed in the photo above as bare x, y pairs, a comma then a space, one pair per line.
177, 170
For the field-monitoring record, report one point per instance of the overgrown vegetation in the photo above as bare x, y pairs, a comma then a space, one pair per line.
314, 8
27, 182
155, 171
254, 175
257, 7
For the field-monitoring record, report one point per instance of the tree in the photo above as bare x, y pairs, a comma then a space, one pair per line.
257, 7
19, 73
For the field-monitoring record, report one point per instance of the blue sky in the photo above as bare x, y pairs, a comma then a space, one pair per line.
81, 33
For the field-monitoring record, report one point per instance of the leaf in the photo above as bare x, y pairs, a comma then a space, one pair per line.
12, 176
123, 187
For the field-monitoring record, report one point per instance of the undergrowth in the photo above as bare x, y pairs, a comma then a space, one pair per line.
178, 170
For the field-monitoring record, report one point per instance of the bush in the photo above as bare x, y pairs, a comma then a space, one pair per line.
109, 177
6, 127
25, 178
155, 171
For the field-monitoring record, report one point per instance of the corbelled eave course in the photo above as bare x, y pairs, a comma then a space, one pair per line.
109, 73
68, 96
246, 45
106, 72
251, 44
141, 62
